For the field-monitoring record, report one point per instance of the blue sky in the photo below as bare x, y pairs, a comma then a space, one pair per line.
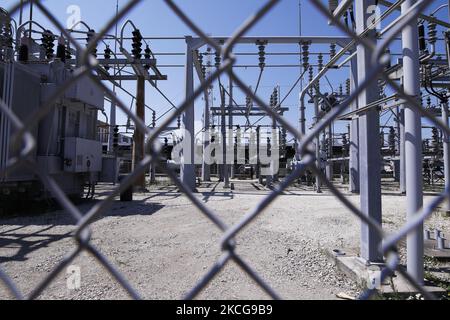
221, 18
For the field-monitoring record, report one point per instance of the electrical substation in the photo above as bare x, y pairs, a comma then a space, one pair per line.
300, 167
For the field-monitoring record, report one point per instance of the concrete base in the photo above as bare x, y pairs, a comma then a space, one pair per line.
359, 271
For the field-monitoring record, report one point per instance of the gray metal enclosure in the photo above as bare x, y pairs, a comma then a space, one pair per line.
67, 146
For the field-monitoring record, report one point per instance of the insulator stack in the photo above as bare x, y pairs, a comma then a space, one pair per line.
432, 33
154, 119
116, 138
392, 140
200, 62
341, 90
137, 44
348, 87
147, 56
217, 60
305, 55
107, 55
48, 43
333, 50
179, 122
324, 146
275, 97
89, 38
435, 141
311, 77
320, 61
345, 145
262, 55
201, 57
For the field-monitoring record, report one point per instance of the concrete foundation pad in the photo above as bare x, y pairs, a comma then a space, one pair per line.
357, 269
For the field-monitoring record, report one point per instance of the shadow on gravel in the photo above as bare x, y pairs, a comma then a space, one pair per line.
54, 216
22, 244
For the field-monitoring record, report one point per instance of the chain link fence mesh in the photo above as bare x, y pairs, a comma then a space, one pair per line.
24, 143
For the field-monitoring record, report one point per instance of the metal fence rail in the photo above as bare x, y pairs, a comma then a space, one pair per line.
25, 143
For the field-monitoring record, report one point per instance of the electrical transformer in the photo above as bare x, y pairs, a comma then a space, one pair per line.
67, 144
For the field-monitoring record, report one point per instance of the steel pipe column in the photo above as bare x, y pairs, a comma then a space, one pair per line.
112, 124
188, 121
354, 133
401, 115
413, 145
318, 158
369, 144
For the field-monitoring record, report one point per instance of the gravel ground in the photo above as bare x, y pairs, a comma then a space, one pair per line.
163, 245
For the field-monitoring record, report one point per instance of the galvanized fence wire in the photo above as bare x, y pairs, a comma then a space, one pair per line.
24, 142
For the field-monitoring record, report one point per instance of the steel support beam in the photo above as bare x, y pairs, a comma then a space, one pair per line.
369, 144
230, 126
446, 142
413, 145
225, 171
112, 123
329, 166
188, 122
206, 169
318, 158
401, 116
354, 133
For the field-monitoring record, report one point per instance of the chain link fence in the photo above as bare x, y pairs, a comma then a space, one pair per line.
24, 142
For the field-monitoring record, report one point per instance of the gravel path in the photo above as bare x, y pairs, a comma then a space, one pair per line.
163, 246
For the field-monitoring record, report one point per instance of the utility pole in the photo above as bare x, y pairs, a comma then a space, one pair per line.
139, 136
